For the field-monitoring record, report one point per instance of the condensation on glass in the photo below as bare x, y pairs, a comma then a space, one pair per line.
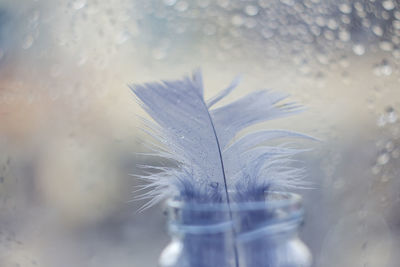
67, 132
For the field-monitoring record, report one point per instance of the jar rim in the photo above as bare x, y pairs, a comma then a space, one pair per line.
272, 200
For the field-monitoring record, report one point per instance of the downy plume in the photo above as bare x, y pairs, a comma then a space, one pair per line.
199, 137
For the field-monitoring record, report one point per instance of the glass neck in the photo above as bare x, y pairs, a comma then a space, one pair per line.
277, 217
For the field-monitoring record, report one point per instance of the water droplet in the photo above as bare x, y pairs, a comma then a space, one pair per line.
381, 121
388, 5
376, 169
389, 146
396, 24
34, 18
397, 15
344, 36
315, 30
383, 159
386, 69
305, 69
288, 2
62, 40
345, 8
358, 49
323, 59
122, 37
267, 33
214, 185
203, 3
339, 184
396, 53
223, 3
385, 15
383, 68
329, 35
251, 10
82, 59
237, 20
386, 46
377, 30
169, 2
332, 24
345, 19
159, 54
27, 42
377, 70
391, 115
78, 4
359, 7
366, 23
320, 21
182, 6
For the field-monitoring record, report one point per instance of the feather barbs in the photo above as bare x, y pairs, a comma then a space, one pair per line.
201, 138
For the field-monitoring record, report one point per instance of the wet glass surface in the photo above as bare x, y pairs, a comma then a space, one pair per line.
69, 130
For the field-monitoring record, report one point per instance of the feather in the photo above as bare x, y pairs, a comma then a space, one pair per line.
200, 139
185, 128
224, 92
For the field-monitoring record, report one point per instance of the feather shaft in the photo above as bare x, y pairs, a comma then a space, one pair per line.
235, 250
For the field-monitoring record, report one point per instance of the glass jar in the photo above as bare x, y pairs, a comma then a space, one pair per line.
250, 234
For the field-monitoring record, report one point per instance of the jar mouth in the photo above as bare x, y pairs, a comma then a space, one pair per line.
272, 200
279, 212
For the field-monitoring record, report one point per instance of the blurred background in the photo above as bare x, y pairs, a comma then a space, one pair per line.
69, 128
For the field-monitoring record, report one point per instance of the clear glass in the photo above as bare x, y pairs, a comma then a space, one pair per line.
69, 131
256, 234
